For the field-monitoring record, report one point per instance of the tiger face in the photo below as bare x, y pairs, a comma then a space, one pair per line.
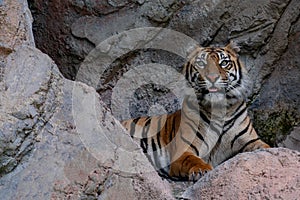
216, 73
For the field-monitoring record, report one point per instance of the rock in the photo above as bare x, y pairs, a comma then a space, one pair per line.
268, 33
58, 140
266, 174
88, 23
16, 29
16, 25
277, 110
27, 103
292, 141
79, 147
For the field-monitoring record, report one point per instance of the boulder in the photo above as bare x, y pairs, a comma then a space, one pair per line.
57, 138
53, 138
266, 174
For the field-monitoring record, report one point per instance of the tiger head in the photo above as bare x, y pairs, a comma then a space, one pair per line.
216, 74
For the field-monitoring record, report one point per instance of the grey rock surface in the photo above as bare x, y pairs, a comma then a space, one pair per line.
58, 140
80, 155
16, 25
267, 32
292, 140
267, 174
16, 29
27, 103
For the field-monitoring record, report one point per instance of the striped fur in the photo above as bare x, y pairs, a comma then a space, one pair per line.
208, 129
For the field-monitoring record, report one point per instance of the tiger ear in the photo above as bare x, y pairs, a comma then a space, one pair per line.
233, 46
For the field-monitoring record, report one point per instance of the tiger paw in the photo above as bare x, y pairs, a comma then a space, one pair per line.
189, 166
196, 172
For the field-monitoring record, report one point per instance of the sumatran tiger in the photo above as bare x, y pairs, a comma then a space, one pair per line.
208, 129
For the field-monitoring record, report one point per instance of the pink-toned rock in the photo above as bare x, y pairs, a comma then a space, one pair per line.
16, 28
267, 174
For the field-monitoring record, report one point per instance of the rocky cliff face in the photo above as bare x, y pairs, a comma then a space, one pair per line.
59, 139
42, 152
267, 31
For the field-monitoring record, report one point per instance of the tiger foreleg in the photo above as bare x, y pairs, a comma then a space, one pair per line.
254, 145
189, 166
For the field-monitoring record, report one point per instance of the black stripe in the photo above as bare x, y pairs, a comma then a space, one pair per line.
219, 50
213, 128
204, 117
144, 145
208, 121
240, 70
153, 145
230, 123
185, 160
190, 144
164, 174
144, 140
146, 127
166, 129
155, 154
245, 130
238, 73
198, 134
201, 138
232, 75
158, 133
187, 71
133, 125
194, 78
230, 96
250, 142
228, 127
173, 128
190, 71
235, 116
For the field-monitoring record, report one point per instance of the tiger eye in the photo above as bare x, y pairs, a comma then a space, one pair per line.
200, 64
224, 63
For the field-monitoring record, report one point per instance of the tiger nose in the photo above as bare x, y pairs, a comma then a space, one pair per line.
213, 77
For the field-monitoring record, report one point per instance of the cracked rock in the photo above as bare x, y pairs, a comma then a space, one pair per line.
267, 174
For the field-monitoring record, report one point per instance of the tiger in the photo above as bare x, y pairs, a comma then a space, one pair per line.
211, 127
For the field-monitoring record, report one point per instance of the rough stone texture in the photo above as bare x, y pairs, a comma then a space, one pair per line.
59, 165
27, 103
266, 30
57, 138
75, 37
292, 141
47, 125
16, 28
16, 25
54, 143
268, 174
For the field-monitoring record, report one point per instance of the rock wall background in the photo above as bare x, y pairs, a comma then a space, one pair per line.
267, 31
59, 140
